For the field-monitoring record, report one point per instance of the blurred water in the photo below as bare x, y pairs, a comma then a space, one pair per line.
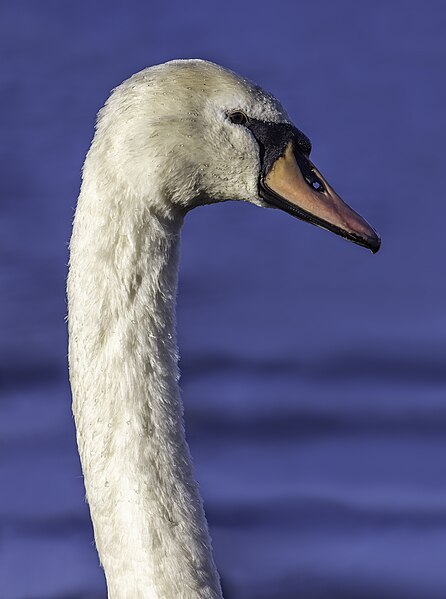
313, 374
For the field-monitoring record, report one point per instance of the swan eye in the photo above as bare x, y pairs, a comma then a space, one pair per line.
238, 118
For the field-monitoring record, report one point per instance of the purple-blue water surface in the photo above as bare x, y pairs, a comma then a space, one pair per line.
313, 373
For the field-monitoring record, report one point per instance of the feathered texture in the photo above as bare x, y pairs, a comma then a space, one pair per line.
163, 144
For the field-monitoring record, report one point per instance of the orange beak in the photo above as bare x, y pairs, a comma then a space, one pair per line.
295, 185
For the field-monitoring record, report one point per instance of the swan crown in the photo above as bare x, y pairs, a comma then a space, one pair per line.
168, 127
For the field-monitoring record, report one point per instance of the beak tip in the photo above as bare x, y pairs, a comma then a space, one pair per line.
374, 243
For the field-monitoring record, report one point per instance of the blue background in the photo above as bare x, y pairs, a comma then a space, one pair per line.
313, 373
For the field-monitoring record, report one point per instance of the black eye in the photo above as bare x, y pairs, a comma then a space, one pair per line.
238, 118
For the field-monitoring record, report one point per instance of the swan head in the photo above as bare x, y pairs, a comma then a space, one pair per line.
190, 132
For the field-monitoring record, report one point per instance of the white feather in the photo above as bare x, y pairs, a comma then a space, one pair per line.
162, 141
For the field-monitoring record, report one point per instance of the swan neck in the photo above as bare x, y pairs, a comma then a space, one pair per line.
148, 519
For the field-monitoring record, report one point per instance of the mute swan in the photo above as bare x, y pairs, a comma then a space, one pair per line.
171, 137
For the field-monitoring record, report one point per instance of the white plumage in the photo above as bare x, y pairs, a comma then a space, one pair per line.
164, 143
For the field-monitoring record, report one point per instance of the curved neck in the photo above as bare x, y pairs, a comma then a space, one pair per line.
149, 525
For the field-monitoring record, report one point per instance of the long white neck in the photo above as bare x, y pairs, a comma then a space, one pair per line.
149, 525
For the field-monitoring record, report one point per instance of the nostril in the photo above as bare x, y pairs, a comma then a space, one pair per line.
315, 184
309, 173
